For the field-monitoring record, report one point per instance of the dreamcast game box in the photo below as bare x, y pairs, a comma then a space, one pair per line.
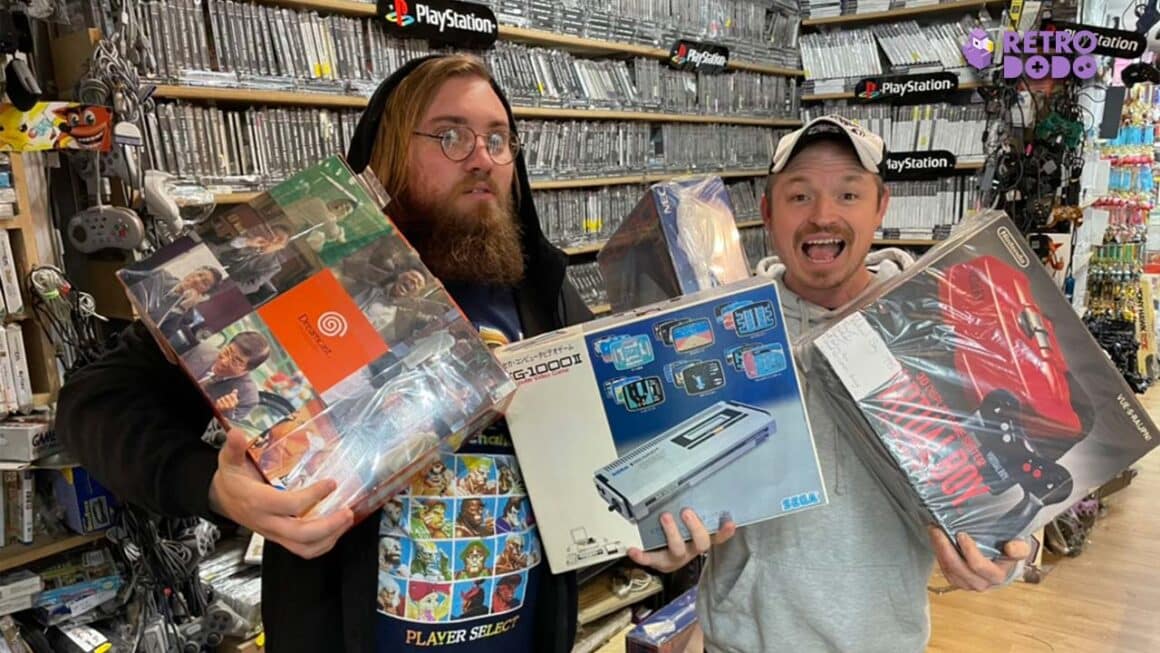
681, 237
974, 391
310, 324
691, 403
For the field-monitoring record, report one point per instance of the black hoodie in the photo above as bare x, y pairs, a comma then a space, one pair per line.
136, 423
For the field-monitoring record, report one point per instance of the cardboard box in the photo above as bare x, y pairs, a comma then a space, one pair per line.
680, 238
667, 630
691, 403
311, 324
975, 392
20, 583
88, 505
27, 439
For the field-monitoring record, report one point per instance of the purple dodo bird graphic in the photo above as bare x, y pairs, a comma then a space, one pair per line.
979, 49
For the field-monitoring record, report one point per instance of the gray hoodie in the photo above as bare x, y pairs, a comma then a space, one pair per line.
848, 576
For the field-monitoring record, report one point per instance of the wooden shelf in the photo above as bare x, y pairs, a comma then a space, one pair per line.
302, 98
600, 46
589, 248
602, 114
584, 249
916, 242
558, 184
346, 7
258, 96
577, 43
645, 178
254, 644
31, 234
849, 95
898, 14
235, 198
597, 599
17, 555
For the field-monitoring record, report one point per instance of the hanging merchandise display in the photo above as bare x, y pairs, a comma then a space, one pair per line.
1115, 307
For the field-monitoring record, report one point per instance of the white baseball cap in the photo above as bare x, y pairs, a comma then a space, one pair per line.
868, 146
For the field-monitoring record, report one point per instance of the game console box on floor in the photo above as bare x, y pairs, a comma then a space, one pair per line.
680, 237
310, 323
694, 402
973, 389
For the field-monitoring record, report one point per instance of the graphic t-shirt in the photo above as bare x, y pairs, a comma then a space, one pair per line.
459, 555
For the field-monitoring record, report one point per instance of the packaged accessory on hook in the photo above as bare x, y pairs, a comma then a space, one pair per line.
680, 238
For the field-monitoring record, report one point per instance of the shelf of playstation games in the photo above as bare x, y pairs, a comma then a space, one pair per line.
601, 113
855, 64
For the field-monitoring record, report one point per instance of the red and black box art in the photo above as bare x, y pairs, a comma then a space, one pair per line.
975, 393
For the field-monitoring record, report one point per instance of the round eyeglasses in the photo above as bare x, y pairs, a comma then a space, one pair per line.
459, 142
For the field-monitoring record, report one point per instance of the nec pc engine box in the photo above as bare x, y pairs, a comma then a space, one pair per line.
680, 238
694, 402
310, 324
975, 391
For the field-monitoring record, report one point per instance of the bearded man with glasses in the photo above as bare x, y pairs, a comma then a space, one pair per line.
440, 135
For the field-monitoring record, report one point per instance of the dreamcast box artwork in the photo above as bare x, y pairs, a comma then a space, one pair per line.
310, 324
681, 237
974, 391
690, 403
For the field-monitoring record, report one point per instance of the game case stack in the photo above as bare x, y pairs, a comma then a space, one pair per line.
681, 237
755, 242
952, 128
310, 324
589, 283
692, 403
974, 391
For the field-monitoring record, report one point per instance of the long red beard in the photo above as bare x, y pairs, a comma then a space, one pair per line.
484, 246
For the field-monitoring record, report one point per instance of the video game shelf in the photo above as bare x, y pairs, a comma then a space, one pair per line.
311, 325
974, 390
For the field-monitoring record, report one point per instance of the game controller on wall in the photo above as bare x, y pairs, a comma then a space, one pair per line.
105, 227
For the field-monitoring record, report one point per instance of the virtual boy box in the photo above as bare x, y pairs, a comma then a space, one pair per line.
974, 390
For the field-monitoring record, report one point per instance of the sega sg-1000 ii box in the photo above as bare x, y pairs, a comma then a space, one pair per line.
693, 402
976, 392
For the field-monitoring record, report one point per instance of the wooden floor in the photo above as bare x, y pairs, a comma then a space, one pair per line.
1105, 600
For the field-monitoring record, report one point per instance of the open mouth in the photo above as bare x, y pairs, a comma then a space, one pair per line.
823, 250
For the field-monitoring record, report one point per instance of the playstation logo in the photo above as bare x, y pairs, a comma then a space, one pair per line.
400, 14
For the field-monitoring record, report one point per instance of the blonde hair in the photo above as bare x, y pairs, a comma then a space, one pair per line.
405, 108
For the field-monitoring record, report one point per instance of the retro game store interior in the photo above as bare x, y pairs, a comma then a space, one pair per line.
579, 326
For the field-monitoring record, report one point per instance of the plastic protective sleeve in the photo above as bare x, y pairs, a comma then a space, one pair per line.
708, 235
957, 384
135, 422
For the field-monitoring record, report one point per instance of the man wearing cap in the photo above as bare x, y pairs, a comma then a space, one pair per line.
851, 576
